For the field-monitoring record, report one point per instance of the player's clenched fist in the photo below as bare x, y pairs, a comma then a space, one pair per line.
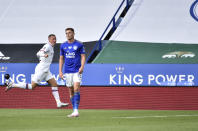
46, 55
80, 70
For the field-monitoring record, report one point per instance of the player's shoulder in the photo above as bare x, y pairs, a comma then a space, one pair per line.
63, 44
45, 46
48, 46
79, 42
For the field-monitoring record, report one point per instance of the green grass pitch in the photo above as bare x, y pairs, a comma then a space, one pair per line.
97, 120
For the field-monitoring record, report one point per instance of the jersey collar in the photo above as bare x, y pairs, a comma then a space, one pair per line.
50, 44
72, 42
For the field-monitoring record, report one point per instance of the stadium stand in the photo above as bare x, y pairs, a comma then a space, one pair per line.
30, 51
147, 53
155, 22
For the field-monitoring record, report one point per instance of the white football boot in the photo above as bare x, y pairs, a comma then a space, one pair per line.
8, 85
74, 114
61, 104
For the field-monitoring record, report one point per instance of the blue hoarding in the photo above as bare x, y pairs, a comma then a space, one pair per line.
115, 74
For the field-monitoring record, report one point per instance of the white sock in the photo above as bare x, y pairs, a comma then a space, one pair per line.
23, 86
56, 94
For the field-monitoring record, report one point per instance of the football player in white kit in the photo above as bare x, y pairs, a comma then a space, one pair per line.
42, 71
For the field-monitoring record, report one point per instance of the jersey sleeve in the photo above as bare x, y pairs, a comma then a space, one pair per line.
45, 48
42, 51
82, 49
61, 50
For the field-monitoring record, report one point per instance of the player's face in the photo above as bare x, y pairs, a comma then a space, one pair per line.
69, 35
52, 40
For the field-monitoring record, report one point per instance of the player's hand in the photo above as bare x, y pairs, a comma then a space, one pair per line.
80, 70
61, 75
46, 55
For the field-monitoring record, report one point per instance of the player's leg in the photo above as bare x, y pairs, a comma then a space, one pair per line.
76, 94
50, 79
71, 91
69, 84
71, 95
76, 97
29, 86
38, 77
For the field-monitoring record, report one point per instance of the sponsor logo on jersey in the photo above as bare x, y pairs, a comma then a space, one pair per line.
70, 55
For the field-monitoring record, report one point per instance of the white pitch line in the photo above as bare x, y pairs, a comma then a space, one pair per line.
136, 117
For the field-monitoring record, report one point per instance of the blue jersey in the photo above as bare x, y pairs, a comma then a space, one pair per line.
72, 54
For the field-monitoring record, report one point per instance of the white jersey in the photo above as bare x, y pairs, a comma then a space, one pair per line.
44, 63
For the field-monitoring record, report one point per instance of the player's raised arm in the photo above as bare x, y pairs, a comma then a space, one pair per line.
42, 52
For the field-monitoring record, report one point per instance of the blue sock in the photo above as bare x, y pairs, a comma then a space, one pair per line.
72, 101
76, 100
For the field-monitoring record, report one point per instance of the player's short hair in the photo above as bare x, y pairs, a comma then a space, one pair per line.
50, 35
69, 29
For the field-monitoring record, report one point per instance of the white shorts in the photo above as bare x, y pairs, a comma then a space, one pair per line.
41, 75
71, 78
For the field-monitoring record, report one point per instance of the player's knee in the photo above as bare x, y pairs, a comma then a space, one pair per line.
52, 82
72, 93
76, 89
34, 85
54, 85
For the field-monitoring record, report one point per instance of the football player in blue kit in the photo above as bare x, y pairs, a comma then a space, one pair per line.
72, 57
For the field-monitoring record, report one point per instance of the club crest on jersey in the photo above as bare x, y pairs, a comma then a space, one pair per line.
75, 47
70, 47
